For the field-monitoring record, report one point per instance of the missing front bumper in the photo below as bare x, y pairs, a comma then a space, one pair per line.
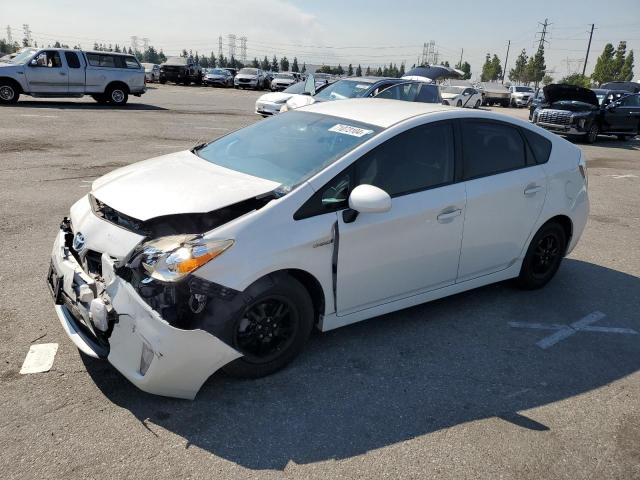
155, 356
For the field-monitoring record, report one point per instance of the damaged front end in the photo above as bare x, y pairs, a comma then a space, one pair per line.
161, 326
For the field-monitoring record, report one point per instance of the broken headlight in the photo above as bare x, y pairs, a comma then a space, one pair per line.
172, 258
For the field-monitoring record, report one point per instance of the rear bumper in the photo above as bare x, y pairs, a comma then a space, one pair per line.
155, 356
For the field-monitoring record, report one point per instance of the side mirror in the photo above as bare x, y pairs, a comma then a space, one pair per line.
33, 62
369, 199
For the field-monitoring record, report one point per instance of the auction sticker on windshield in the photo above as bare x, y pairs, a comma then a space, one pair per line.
349, 130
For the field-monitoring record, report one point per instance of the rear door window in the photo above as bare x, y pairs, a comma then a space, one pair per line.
72, 59
101, 60
540, 146
490, 148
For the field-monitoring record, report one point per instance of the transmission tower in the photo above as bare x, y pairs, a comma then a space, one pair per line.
145, 42
543, 33
134, 43
243, 49
9, 35
231, 40
27, 33
220, 46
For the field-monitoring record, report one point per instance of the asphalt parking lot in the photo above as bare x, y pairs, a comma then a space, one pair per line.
466, 387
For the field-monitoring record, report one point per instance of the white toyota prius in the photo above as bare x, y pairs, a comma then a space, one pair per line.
228, 255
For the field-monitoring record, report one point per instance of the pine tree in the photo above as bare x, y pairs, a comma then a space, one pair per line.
536, 68
339, 70
368, 72
518, 73
497, 68
274, 64
350, 70
487, 71
402, 70
466, 68
618, 61
304, 67
284, 64
294, 65
603, 70
358, 71
255, 63
626, 74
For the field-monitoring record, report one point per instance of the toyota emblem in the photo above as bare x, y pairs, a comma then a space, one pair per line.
78, 242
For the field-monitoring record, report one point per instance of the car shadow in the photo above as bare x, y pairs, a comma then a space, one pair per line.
70, 105
605, 141
407, 374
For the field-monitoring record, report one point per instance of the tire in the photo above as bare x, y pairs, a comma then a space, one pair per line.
543, 257
198, 81
116, 95
9, 92
101, 99
477, 105
512, 103
279, 289
459, 103
592, 135
163, 81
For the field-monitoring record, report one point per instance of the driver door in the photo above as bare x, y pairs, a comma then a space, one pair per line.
415, 246
48, 73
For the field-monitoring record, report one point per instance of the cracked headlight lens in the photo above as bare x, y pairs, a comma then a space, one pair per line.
172, 258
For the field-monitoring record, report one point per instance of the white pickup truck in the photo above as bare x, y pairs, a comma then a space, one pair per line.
61, 73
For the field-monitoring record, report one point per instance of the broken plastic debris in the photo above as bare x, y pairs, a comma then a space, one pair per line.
39, 358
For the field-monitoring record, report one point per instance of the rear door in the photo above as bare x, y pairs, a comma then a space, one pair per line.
49, 74
505, 191
76, 72
627, 113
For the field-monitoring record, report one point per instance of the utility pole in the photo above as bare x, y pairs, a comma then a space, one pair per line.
504, 72
543, 40
27, 34
586, 57
134, 43
9, 36
460, 62
220, 46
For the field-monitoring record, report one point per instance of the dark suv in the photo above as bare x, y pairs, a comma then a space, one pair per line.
181, 70
575, 111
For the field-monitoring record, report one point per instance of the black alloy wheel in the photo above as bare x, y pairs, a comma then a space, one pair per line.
266, 329
543, 257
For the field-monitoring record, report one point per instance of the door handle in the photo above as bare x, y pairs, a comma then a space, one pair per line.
532, 189
448, 215
62, 73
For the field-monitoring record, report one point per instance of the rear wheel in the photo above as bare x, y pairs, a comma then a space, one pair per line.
9, 93
272, 329
116, 95
543, 257
477, 105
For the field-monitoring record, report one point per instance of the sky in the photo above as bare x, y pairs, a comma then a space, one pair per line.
341, 31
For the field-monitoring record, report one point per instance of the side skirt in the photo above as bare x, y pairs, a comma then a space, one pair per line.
332, 321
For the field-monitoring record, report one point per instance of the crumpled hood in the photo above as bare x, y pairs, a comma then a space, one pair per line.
176, 183
298, 101
558, 92
275, 97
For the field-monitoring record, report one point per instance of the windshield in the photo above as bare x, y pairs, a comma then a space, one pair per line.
287, 149
286, 76
455, 90
249, 71
344, 89
412, 92
296, 88
23, 56
524, 89
217, 71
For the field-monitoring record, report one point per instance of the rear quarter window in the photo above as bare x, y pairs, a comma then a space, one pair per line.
100, 60
540, 146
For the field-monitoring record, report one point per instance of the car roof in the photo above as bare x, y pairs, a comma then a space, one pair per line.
375, 111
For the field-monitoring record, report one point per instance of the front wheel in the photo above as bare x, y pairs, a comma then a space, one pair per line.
272, 329
117, 95
459, 103
592, 134
543, 257
8, 93
477, 105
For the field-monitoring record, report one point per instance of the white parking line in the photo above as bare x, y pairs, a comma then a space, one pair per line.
38, 116
628, 175
565, 331
39, 358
